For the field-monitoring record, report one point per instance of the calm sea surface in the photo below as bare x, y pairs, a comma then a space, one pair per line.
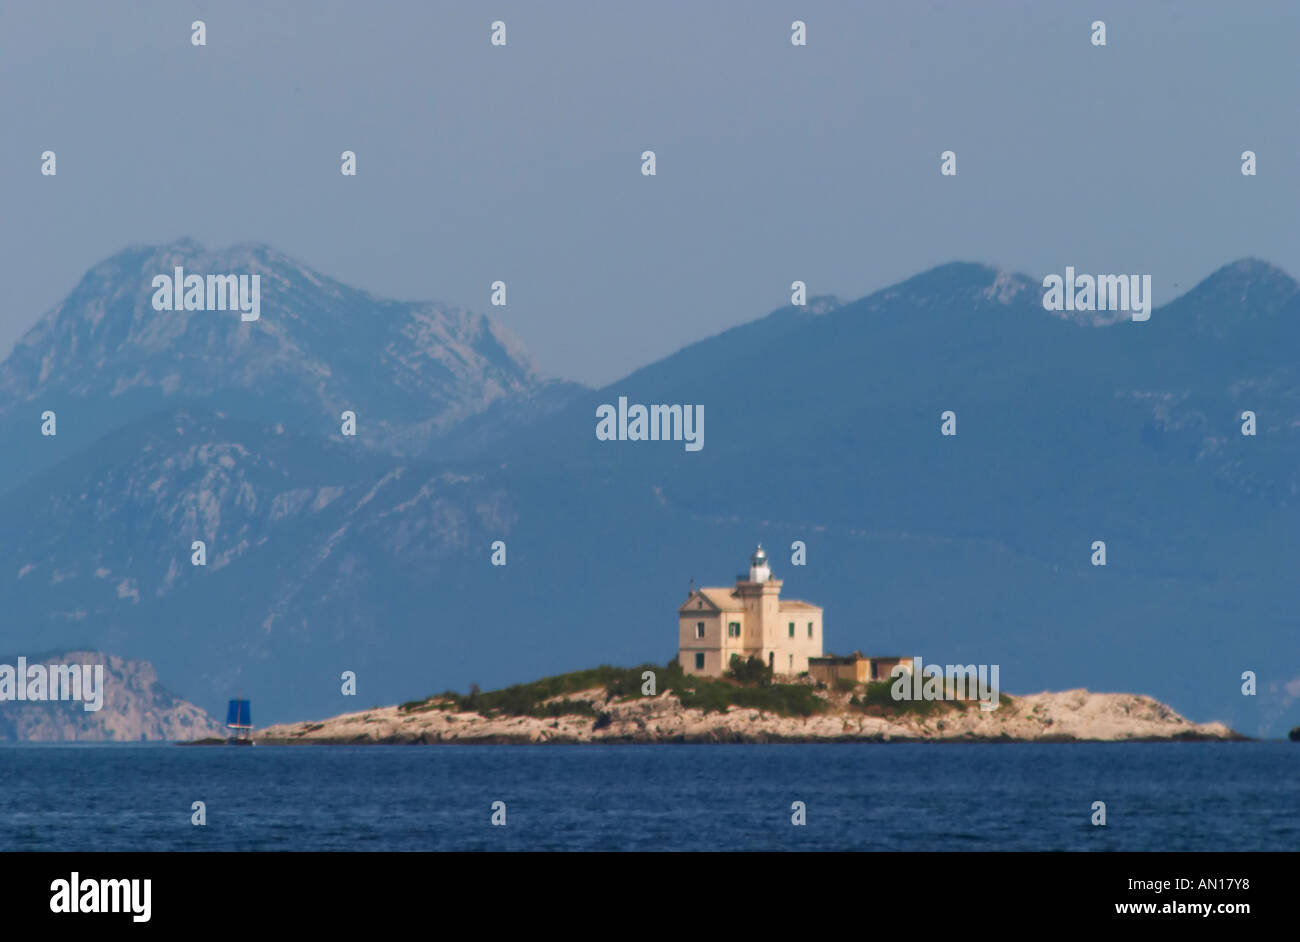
1159, 796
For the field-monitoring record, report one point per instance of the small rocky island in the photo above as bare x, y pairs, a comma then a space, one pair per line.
135, 707
817, 698
617, 705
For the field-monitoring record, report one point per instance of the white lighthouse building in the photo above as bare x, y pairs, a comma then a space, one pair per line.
749, 619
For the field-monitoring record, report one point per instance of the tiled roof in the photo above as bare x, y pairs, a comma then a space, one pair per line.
722, 598
725, 599
795, 604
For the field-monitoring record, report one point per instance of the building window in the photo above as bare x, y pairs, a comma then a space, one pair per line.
792, 663
810, 629
699, 629
699, 661
733, 629
791, 629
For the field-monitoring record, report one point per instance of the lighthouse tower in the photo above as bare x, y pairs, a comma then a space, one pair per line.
758, 568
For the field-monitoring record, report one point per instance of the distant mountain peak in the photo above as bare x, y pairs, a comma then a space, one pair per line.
959, 283
1247, 290
410, 371
1253, 272
182, 244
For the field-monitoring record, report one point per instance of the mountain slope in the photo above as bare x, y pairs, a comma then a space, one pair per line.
104, 357
299, 537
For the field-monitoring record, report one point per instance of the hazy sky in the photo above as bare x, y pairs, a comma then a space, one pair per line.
523, 162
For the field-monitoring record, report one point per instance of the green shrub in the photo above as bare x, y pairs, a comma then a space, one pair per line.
785, 699
752, 670
565, 708
878, 699
626, 683
707, 696
747, 684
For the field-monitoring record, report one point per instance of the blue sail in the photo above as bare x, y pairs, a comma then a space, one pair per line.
238, 715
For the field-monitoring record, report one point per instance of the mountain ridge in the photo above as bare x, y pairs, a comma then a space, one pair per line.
410, 371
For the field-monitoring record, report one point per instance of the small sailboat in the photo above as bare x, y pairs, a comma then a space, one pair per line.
240, 718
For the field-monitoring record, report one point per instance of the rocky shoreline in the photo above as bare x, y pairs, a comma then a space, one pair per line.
1069, 716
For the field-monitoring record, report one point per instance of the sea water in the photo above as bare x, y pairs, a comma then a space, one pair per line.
945, 797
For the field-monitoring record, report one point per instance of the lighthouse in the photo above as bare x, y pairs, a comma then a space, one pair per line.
750, 619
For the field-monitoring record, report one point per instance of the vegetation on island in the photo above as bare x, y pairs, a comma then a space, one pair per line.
877, 699
746, 684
